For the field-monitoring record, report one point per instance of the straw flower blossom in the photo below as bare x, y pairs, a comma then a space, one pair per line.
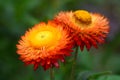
44, 44
87, 29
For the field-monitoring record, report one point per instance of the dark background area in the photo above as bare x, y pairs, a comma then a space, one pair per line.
16, 16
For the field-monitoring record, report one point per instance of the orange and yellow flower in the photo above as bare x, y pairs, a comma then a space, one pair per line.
44, 45
87, 29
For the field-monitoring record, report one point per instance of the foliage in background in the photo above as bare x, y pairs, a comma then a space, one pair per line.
16, 16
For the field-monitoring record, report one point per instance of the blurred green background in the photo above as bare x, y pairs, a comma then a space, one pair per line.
16, 16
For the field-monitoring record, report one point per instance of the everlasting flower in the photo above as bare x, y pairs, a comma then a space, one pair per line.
87, 29
44, 45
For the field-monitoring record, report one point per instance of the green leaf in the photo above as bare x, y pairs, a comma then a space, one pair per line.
97, 75
109, 77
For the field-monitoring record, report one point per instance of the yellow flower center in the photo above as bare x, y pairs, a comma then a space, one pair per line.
45, 37
82, 16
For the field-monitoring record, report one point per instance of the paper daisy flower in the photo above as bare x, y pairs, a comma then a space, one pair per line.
87, 29
44, 45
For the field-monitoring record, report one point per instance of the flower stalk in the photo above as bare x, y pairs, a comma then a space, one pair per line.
74, 64
52, 74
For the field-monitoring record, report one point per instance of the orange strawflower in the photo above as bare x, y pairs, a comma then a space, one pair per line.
44, 45
87, 29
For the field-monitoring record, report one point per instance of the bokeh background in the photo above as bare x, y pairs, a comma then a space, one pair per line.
16, 16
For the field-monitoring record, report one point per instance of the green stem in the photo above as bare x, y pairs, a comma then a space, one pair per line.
51, 74
74, 64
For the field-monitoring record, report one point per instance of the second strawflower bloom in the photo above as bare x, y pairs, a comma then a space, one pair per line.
87, 29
